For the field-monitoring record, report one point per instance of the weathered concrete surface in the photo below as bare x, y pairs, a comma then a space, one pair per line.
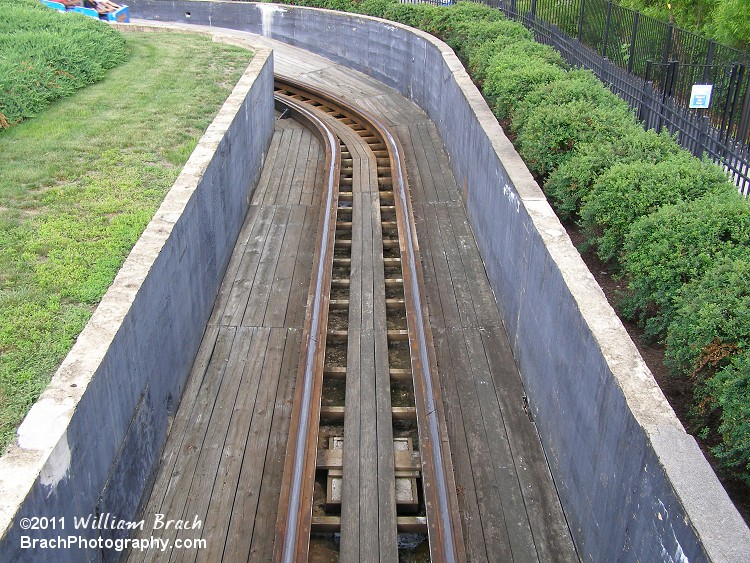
91, 443
634, 485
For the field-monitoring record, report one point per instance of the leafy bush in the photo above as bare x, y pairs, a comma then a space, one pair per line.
552, 132
576, 85
376, 8
712, 319
510, 33
709, 340
454, 24
567, 185
625, 192
473, 11
730, 23
676, 245
341, 5
730, 395
467, 37
463, 26
46, 55
420, 16
514, 71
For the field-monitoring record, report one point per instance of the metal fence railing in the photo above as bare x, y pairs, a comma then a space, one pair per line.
652, 65
657, 89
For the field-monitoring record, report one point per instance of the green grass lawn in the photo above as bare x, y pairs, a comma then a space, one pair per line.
79, 183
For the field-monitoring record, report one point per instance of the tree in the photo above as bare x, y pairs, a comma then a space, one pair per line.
727, 21
730, 23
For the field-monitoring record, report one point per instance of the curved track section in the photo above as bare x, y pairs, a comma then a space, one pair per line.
303, 434
367, 455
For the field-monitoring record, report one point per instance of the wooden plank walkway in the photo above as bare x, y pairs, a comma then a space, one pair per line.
224, 457
225, 451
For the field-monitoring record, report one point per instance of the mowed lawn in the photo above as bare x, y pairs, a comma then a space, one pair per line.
80, 182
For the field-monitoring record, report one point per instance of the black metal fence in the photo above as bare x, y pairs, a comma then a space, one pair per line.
658, 89
653, 66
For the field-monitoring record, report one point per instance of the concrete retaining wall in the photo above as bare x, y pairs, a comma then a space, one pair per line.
633, 484
91, 444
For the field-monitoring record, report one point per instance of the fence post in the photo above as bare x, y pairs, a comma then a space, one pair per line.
647, 98
732, 99
533, 10
667, 44
608, 74
633, 37
672, 77
702, 144
710, 54
606, 28
743, 132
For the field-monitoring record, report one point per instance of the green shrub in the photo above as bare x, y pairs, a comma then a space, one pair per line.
473, 11
709, 341
552, 132
569, 183
676, 245
576, 85
464, 12
376, 8
463, 26
341, 5
467, 37
514, 71
46, 55
730, 393
466, 25
712, 319
420, 16
509, 33
625, 192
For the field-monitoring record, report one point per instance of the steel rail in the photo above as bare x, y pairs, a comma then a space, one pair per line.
299, 469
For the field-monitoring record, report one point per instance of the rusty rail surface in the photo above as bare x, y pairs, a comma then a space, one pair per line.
296, 492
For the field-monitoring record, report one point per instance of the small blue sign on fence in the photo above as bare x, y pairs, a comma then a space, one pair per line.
700, 96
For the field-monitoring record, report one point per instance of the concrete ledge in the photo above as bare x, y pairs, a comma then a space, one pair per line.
92, 442
633, 484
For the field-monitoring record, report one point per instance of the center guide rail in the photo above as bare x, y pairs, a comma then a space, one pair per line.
380, 484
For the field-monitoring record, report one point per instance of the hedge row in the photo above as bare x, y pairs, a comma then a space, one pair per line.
46, 55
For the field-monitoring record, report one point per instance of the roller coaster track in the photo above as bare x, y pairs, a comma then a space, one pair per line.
368, 457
